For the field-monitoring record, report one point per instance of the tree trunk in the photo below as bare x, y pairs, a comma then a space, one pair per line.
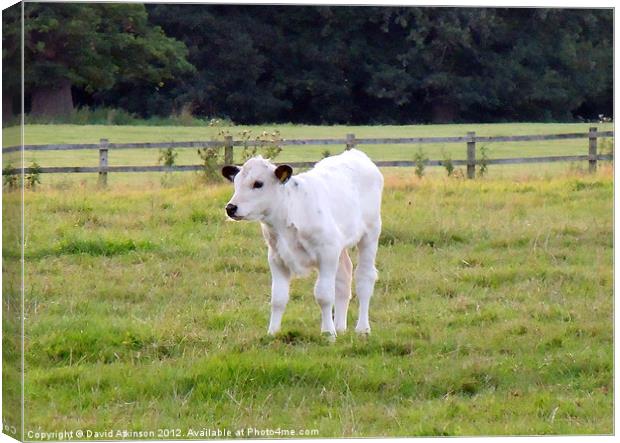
52, 101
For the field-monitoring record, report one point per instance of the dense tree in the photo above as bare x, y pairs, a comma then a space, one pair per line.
11, 61
472, 64
93, 47
325, 64
382, 64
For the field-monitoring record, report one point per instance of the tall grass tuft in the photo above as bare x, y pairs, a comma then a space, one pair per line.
120, 117
108, 248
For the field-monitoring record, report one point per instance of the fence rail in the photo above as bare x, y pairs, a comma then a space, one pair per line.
349, 142
328, 141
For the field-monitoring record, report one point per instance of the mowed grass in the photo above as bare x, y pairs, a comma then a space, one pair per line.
146, 309
51, 134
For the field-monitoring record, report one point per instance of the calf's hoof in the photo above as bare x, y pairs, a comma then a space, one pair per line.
329, 336
363, 331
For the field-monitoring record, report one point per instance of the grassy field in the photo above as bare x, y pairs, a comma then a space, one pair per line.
147, 310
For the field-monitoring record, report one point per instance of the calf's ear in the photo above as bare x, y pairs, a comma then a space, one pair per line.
230, 171
283, 173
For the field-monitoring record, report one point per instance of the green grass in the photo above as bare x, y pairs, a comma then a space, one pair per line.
493, 312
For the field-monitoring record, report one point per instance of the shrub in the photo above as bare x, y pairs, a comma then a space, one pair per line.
87, 116
211, 160
121, 117
248, 151
271, 143
167, 156
33, 178
447, 163
114, 116
420, 162
9, 179
483, 161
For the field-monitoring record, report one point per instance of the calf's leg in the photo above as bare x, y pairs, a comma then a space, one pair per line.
365, 277
325, 291
343, 291
280, 283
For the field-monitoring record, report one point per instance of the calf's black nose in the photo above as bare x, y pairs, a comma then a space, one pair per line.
231, 209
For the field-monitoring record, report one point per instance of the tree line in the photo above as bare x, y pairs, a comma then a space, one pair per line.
314, 64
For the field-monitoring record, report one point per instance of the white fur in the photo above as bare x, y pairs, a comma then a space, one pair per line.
309, 222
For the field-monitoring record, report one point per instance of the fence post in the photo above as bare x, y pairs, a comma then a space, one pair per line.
103, 161
228, 150
471, 155
350, 141
592, 154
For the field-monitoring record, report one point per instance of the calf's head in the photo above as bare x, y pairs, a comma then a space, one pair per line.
258, 184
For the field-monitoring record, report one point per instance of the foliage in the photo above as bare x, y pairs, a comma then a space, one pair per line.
95, 46
168, 156
268, 142
385, 64
212, 158
86, 115
326, 153
483, 160
102, 44
9, 178
271, 144
33, 178
447, 163
322, 64
248, 151
420, 160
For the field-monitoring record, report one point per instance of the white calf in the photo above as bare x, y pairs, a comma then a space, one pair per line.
308, 221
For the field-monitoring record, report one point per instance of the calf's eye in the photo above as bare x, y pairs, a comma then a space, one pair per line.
257, 185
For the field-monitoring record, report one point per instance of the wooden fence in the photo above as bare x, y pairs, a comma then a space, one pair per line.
470, 140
